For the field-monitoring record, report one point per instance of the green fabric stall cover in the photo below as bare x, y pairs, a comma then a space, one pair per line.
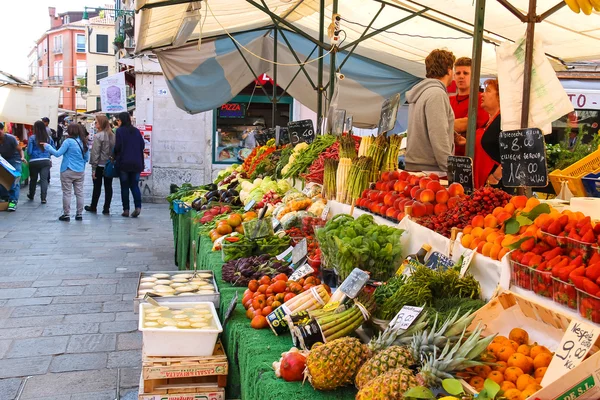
251, 352
194, 240
175, 220
183, 240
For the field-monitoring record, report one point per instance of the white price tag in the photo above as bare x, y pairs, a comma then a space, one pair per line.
405, 317
579, 338
354, 283
325, 212
466, 262
300, 251
285, 253
301, 272
250, 205
275, 222
306, 190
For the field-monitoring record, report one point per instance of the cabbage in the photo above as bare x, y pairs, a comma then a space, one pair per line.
283, 186
269, 186
257, 181
247, 186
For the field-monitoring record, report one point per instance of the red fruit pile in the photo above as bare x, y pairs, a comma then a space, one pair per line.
482, 202
266, 294
209, 215
397, 190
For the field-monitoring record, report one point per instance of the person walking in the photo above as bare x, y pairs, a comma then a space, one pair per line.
102, 149
74, 151
39, 160
129, 156
13, 153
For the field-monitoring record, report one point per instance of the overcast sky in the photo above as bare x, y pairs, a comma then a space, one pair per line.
24, 21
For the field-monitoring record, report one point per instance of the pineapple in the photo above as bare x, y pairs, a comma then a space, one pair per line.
393, 384
385, 360
390, 385
335, 363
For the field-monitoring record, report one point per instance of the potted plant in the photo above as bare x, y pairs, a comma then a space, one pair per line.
119, 42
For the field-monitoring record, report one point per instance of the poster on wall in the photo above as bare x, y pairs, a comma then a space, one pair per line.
113, 96
146, 131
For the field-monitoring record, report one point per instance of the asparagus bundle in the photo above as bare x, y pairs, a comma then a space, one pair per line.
341, 183
336, 325
390, 162
347, 147
329, 178
365, 143
308, 300
358, 178
376, 151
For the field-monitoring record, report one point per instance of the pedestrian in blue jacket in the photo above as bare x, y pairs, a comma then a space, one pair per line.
129, 156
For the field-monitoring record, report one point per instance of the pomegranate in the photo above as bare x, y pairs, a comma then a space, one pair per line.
291, 366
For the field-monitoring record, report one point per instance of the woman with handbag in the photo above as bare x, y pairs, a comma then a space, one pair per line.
102, 150
75, 154
129, 155
39, 160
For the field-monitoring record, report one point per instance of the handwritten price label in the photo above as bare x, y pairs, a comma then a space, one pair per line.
301, 272
576, 343
405, 317
300, 251
325, 212
250, 205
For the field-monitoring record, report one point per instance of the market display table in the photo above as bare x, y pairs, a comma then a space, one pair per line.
252, 352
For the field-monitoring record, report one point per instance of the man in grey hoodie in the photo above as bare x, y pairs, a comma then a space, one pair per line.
430, 136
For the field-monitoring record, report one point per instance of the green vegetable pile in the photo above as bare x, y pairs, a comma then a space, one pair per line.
347, 243
272, 245
244, 247
430, 287
306, 157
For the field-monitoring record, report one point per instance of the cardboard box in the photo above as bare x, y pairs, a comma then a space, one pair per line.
8, 174
3, 205
546, 326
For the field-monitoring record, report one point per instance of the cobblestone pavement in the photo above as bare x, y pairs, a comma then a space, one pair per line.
67, 326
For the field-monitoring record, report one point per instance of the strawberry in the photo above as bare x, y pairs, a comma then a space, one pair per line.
593, 272
577, 261
595, 256
590, 287
579, 271
564, 272
588, 237
551, 254
577, 281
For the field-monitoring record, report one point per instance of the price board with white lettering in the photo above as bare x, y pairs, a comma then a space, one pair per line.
578, 340
389, 113
523, 158
263, 136
460, 170
301, 131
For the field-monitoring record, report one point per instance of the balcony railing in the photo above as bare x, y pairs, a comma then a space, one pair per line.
55, 80
57, 50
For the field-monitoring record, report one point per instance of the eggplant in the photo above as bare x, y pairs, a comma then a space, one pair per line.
196, 204
212, 193
214, 198
203, 207
212, 187
232, 185
233, 192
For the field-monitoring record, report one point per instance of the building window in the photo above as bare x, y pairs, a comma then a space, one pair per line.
101, 72
58, 44
81, 68
66, 19
98, 103
80, 43
102, 43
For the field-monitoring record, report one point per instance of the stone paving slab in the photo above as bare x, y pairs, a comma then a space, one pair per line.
67, 327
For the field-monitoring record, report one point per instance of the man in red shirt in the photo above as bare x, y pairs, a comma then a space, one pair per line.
460, 104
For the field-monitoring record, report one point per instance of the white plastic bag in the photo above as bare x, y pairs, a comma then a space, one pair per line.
565, 192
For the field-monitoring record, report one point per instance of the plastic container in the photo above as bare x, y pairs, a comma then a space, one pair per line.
564, 293
591, 183
258, 228
179, 342
573, 174
541, 283
520, 275
589, 306
180, 207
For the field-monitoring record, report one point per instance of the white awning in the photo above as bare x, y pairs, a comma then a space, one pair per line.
441, 24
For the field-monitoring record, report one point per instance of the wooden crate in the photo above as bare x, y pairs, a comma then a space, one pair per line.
177, 375
551, 324
206, 393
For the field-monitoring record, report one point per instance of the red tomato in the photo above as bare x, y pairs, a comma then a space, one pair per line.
278, 287
267, 310
265, 280
289, 296
281, 277
259, 302
253, 285
263, 288
245, 299
250, 313
259, 322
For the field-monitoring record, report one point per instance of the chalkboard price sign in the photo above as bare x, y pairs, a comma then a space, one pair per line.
389, 111
523, 158
301, 131
460, 170
264, 136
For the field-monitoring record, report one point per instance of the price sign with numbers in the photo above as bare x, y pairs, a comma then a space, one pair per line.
325, 212
578, 340
300, 251
301, 131
523, 158
354, 283
285, 254
389, 113
406, 316
249, 206
460, 170
301, 272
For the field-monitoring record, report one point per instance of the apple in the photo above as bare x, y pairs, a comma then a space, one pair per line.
442, 196
427, 195
365, 194
407, 191
381, 196
429, 208
413, 192
379, 185
404, 176
414, 180
395, 215
400, 186
423, 183
394, 175
385, 176
390, 212
456, 189
389, 198
389, 186
435, 186
418, 209
418, 194
400, 216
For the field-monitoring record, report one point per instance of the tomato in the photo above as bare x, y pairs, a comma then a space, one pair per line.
248, 303
281, 277
259, 322
246, 298
301, 282
270, 300
267, 310
279, 297
265, 280
289, 296
275, 304
269, 291
307, 287
247, 291
250, 313
259, 302
263, 288
253, 285
295, 288
311, 280
279, 287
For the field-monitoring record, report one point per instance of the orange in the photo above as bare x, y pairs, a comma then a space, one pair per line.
542, 360
513, 394
466, 240
539, 380
487, 357
535, 350
534, 386
519, 360
505, 352
506, 385
514, 344
496, 376
467, 229
476, 382
524, 349
540, 372
477, 231
493, 347
482, 370
525, 394
512, 374
519, 335
487, 248
501, 366
524, 380
499, 339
